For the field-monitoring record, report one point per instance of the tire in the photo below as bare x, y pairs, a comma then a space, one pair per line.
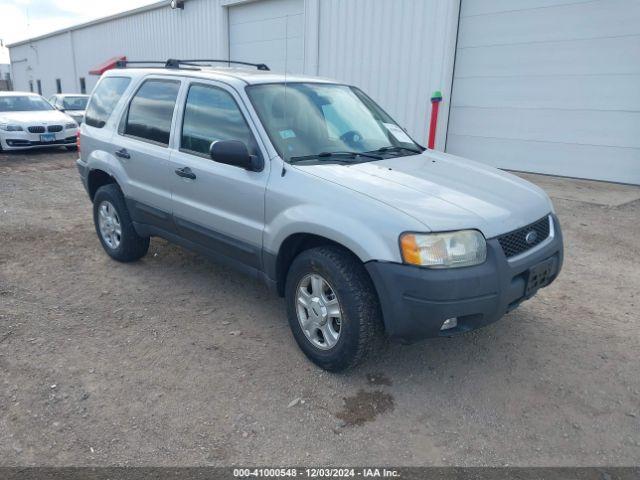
360, 325
127, 246
71, 148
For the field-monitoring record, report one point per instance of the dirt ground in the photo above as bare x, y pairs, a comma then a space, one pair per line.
175, 360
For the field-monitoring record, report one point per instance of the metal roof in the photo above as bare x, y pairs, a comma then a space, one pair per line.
145, 8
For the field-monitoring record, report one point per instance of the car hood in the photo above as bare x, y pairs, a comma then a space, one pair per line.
37, 117
444, 192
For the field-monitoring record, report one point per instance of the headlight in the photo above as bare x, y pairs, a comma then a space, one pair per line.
71, 125
10, 128
444, 250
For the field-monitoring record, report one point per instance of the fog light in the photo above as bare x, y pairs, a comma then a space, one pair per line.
449, 323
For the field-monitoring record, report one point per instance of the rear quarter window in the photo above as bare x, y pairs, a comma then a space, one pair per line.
151, 111
104, 100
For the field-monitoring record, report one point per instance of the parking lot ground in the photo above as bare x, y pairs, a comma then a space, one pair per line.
175, 360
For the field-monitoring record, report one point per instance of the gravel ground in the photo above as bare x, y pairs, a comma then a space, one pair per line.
175, 360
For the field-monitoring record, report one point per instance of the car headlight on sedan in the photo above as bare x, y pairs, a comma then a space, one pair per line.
463, 248
71, 125
7, 127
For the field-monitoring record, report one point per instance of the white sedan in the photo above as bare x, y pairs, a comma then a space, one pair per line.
28, 121
72, 104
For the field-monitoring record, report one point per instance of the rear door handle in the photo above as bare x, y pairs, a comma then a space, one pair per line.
185, 173
122, 153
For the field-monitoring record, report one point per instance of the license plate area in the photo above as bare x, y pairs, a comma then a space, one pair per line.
539, 276
48, 137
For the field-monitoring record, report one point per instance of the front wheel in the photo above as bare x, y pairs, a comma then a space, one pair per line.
114, 226
332, 308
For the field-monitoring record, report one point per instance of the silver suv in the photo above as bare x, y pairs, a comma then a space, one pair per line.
308, 185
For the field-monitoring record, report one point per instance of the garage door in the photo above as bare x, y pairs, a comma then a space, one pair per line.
268, 31
549, 86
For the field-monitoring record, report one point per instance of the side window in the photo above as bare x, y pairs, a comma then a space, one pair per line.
151, 111
212, 114
104, 100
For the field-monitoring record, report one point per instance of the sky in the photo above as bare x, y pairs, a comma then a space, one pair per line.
22, 19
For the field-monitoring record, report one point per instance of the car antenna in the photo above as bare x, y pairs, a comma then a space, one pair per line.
286, 35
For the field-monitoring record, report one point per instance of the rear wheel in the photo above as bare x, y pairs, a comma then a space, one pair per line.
332, 307
114, 226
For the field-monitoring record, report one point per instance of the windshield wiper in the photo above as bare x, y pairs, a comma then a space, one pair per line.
335, 155
395, 148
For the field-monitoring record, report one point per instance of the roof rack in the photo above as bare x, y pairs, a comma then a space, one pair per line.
142, 63
175, 63
184, 64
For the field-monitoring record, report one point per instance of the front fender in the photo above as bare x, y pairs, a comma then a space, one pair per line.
365, 240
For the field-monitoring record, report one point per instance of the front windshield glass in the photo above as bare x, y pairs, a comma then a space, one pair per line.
26, 103
74, 103
309, 119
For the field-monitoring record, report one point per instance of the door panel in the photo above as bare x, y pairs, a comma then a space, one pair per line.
142, 148
222, 208
270, 31
149, 178
549, 86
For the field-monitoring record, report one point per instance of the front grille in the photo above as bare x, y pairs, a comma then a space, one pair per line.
36, 129
54, 128
515, 243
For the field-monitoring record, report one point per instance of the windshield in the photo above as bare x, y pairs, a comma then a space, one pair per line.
315, 120
26, 103
74, 103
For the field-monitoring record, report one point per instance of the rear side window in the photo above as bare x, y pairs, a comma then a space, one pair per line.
151, 111
104, 100
212, 114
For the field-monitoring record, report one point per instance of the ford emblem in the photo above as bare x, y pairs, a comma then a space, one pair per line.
531, 237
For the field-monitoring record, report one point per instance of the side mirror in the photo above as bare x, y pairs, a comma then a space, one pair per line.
62, 109
236, 153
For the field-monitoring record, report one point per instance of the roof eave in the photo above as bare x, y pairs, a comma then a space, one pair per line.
145, 8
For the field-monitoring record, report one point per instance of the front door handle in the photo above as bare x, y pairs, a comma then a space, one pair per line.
122, 153
185, 173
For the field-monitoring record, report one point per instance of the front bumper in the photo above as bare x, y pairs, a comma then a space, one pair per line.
24, 140
416, 301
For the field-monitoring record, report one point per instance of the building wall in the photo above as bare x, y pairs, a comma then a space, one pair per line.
398, 51
549, 86
269, 31
45, 61
159, 33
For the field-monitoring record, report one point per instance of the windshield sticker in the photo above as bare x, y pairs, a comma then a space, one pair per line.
398, 133
285, 134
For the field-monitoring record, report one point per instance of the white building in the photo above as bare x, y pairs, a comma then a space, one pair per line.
549, 86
